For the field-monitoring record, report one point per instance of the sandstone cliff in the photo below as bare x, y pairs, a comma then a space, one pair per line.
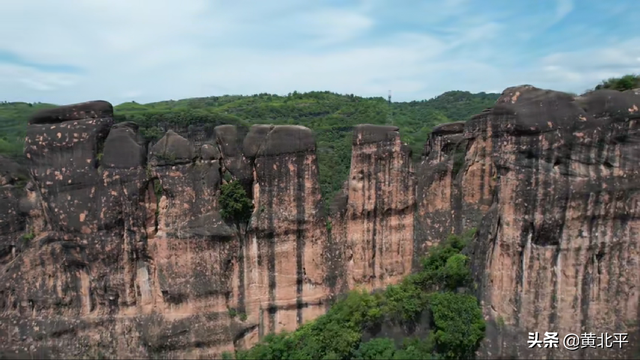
551, 183
557, 250
115, 248
373, 220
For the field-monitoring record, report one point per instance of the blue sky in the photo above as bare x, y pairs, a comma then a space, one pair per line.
68, 51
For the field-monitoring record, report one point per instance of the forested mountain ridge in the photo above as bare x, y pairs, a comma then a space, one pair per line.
329, 115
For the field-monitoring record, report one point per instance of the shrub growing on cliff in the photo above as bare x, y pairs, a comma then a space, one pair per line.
235, 205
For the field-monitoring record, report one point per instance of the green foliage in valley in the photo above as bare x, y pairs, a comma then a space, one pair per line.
435, 293
235, 205
622, 83
331, 116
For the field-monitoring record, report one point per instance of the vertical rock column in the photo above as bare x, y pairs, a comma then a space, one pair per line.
438, 189
380, 204
284, 259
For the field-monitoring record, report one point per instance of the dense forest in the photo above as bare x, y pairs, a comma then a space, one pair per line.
431, 314
331, 116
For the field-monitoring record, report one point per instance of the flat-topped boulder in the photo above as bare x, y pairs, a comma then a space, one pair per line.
449, 128
86, 110
269, 140
367, 133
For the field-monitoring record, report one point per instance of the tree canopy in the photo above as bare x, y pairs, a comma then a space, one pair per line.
235, 205
626, 82
455, 318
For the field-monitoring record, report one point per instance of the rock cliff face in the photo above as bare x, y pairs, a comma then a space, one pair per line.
557, 250
110, 247
135, 259
374, 215
551, 183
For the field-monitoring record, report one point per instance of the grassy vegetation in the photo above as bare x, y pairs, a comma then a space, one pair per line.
454, 318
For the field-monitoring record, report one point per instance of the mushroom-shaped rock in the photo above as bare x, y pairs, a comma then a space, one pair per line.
124, 147
289, 139
172, 149
86, 110
255, 139
230, 138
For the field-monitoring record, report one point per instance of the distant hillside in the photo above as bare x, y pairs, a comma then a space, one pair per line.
331, 116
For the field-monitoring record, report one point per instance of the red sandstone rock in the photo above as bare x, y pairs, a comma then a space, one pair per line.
132, 259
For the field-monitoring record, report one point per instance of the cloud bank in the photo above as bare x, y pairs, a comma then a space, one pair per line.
69, 51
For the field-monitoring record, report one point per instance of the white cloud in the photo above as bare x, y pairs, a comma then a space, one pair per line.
151, 50
578, 70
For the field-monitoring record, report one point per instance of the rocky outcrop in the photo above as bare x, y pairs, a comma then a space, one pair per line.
558, 248
551, 183
135, 259
283, 264
375, 214
438, 177
113, 248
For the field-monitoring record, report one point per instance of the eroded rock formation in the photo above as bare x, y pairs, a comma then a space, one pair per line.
110, 247
557, 250
374, 214
135, 259
551, 183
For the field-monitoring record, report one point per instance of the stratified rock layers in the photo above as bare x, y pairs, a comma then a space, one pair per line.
116, 250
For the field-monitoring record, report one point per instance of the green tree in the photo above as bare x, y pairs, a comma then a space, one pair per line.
456, 272
376, 349
235, 205
459, 325
416, 349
